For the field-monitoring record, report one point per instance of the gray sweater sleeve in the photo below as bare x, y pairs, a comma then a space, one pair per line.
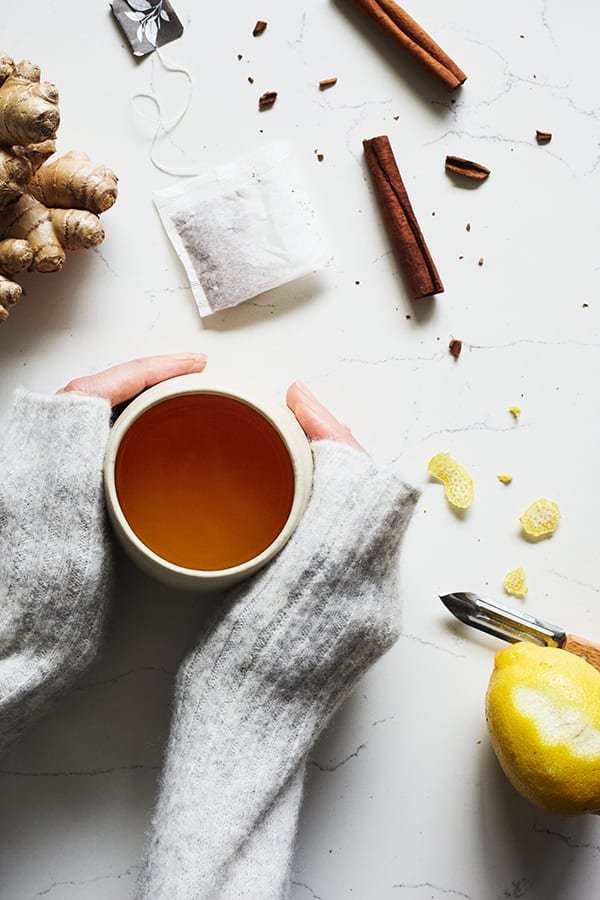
53, 559
263, 681
278, 657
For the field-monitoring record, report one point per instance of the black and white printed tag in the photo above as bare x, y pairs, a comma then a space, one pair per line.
147, 24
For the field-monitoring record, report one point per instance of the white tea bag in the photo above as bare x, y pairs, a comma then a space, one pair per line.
242, 229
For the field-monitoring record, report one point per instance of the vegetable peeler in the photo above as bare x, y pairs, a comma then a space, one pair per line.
514, 625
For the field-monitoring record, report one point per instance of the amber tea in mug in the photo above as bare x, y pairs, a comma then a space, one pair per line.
204, 480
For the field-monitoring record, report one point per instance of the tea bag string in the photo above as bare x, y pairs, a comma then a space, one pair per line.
165, 128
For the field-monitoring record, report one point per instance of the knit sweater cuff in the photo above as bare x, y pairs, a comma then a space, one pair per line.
53, 560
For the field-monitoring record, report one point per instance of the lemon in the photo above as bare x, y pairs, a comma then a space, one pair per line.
543, 716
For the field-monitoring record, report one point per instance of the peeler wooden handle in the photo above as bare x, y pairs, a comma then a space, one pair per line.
587, 650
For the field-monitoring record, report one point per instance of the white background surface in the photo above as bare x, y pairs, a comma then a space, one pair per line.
404, 799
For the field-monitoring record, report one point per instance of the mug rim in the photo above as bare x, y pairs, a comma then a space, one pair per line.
277, 415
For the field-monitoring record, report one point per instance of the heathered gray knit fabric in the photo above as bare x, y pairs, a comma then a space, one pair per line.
275, 661
53, 559
263, 681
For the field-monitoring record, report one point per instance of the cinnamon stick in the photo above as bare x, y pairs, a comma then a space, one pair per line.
410, 37
418, 268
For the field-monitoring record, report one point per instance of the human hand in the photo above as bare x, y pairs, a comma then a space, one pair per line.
316, 421
126, 380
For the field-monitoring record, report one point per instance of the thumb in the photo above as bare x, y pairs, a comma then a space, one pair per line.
315, 419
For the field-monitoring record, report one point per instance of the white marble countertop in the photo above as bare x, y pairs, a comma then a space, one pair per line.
405, 798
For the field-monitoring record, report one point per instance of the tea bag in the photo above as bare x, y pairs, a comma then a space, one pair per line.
242, 229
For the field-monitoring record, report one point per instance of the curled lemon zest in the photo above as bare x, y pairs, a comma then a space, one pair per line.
458, 484
514, 582
541, 517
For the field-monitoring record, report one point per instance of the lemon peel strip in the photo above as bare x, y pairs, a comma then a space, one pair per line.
458, 484
541, 517
514, 582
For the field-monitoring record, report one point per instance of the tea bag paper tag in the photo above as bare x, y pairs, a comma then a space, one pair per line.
242, 229
147, 24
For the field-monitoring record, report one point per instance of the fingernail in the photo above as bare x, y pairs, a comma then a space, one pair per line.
305, 392
191, 357
195, 361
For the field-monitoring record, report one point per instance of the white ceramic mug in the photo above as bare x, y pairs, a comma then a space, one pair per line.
275, 413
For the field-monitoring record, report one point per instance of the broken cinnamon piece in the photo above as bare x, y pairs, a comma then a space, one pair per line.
266, 100
455, 346
327, 83
543, 137
420, 274
466, 167
259, 28
409, 35
320, 157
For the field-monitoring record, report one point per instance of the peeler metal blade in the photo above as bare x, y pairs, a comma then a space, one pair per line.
502, 621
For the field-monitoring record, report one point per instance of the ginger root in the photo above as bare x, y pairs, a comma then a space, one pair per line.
45, 208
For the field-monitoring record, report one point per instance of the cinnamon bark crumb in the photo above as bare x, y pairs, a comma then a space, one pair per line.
327, 83
266, 100
468, 226
466, 167
543, 137
320, 157
250, 79
480, 262
259, 28
455, 346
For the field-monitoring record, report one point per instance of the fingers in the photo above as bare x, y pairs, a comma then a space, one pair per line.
124, 381
316, 421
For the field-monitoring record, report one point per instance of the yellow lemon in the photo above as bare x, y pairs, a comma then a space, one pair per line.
543, 716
